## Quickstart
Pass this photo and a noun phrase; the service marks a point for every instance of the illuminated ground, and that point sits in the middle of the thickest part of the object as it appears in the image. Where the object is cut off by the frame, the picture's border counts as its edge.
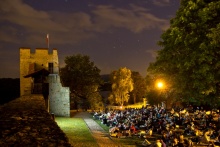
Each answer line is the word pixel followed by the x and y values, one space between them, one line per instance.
pixel 82 130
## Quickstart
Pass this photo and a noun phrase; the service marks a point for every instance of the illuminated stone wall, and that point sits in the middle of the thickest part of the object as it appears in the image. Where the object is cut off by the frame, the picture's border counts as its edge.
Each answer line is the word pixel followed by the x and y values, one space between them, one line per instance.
pixel 25 60
pixel 58 96
pixel 41 58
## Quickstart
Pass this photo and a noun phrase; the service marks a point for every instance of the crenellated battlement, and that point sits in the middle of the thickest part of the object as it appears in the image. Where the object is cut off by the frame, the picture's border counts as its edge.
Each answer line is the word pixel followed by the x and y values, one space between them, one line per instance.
pixel 30 62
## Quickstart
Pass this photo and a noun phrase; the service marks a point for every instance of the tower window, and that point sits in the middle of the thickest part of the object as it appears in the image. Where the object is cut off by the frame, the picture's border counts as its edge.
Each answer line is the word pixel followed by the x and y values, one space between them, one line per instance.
pixel 50 67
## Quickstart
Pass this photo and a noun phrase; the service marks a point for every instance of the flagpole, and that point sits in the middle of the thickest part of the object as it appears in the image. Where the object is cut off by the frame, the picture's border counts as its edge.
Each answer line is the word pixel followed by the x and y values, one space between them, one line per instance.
pixel 48 41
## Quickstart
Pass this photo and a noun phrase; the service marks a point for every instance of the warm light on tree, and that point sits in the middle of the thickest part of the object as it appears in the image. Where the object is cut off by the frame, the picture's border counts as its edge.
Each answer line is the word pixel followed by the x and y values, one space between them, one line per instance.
pixel 122 84
pixel 189 57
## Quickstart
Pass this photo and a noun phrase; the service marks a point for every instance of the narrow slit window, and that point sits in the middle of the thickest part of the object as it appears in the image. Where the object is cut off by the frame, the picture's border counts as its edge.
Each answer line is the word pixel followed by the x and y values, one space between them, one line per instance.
pixel 51 68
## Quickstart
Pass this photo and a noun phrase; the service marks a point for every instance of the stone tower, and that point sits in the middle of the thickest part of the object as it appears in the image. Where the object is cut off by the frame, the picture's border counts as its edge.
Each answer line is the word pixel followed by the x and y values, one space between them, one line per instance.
pixel 42 68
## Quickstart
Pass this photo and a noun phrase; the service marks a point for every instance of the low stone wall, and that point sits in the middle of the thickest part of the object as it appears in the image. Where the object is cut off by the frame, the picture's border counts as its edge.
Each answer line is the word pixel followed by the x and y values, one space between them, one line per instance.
pixel 25 122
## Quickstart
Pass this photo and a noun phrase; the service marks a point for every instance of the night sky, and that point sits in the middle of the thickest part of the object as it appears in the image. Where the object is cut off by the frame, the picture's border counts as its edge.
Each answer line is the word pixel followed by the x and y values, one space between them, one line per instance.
pixel 114 33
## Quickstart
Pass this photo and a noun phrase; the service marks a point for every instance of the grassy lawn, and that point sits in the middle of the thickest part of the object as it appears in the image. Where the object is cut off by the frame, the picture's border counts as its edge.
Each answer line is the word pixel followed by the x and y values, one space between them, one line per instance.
pixel 77 131
pixel 79 134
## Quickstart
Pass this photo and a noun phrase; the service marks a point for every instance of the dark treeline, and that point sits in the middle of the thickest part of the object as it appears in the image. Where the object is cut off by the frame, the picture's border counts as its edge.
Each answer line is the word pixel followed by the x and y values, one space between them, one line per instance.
pixel 106 86
pixel 9 89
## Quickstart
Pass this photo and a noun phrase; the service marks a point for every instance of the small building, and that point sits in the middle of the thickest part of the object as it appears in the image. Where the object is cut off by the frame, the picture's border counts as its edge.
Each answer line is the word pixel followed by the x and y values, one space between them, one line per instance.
pixel 39 74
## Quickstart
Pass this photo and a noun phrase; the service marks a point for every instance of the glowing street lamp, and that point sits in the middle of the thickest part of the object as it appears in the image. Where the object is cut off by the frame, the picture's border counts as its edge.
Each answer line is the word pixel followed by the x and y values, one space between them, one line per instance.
pixel 160 85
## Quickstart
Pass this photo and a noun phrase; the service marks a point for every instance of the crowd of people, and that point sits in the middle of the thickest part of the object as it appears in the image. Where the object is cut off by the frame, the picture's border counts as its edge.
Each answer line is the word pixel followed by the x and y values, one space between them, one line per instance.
pixel 176 127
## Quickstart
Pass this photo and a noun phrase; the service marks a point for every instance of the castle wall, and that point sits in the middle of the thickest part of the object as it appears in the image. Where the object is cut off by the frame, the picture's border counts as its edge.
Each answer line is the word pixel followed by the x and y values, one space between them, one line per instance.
pixel 41 58
pixel 59 97
pixel 25 83
pixel 25 122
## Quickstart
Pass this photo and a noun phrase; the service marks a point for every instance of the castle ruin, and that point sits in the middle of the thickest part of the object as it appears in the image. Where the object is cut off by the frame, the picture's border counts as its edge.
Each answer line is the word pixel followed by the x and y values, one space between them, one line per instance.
pixel 39 74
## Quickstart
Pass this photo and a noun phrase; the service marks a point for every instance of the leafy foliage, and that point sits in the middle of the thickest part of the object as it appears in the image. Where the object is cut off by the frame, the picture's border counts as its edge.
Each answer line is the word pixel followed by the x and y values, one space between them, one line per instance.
pixel 83 78
pixel 190 55
pixel 156 95
pixel 122 84
pixel 139 88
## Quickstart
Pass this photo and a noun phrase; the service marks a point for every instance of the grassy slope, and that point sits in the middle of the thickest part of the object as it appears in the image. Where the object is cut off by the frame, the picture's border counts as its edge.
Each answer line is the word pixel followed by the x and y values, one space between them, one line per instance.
pixel 77 131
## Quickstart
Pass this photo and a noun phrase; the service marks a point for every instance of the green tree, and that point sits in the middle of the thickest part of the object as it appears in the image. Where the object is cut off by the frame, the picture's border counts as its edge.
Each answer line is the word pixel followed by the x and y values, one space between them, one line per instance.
pixel 152 93
pixel 122 84
pixel 83 78
pixel 190 55
pixel 157 95
pixel 139 88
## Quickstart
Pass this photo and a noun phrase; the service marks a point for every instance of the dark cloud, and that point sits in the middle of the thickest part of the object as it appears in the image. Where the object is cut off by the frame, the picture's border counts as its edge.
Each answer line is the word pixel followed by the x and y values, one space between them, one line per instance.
pixel 73 27
pixel 162 3
pixel 135 19
pixel 107 31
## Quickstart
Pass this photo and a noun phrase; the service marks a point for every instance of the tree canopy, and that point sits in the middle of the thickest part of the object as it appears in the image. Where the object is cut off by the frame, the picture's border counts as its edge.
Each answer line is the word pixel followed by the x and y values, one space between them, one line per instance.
pixel 122 84
pixel 139 88
pixel 190 54
pixel 83 78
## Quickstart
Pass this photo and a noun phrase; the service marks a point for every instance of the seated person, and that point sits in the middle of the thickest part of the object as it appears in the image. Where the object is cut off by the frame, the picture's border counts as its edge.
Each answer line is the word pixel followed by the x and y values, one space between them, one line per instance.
pixel 175 142
pixel 133 129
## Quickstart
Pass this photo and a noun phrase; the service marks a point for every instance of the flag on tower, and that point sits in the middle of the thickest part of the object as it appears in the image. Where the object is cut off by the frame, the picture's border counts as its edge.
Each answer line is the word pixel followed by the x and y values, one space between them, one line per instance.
pixel 47 40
